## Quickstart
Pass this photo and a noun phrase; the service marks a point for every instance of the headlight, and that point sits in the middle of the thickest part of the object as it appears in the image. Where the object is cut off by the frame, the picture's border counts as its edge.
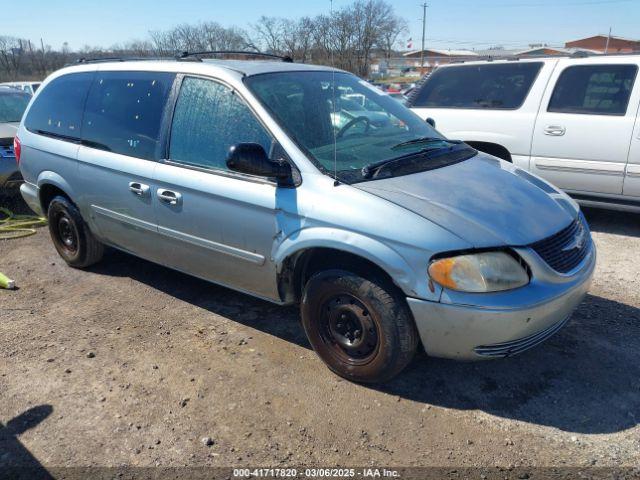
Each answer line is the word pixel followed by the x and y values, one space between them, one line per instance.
pixel 479 272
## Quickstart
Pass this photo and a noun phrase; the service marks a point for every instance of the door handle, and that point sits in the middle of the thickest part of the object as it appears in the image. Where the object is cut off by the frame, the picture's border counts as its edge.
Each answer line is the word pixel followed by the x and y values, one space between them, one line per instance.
pixel 167 196
pixel 554 130
pixel 138 188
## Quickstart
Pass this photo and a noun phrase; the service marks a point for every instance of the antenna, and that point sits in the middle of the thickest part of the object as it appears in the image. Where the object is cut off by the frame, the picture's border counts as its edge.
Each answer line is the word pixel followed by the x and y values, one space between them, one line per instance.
pixel 333 107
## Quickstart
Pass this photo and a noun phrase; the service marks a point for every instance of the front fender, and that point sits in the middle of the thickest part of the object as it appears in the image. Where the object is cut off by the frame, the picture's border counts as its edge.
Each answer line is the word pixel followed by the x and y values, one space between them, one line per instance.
pixel 498 138
pixel 366 247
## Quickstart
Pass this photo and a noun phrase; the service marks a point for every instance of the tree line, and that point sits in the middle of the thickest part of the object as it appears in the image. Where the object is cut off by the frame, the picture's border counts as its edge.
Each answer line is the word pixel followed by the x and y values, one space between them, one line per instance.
pixel 346 38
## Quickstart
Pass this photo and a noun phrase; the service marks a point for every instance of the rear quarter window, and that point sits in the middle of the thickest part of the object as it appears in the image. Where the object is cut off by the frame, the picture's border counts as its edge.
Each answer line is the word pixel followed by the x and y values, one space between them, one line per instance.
pixel 57 110
pixel 501 86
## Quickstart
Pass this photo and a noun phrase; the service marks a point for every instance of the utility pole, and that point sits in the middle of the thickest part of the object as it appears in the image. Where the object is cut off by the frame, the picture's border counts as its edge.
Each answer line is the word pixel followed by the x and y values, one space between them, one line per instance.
pixel 606 47
pixel 424 25
pixel 44 60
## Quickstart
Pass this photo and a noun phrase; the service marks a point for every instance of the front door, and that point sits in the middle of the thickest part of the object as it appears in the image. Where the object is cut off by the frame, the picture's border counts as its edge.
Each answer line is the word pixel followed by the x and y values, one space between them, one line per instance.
pixel 582 133
pixel 121 144
pixel 214 223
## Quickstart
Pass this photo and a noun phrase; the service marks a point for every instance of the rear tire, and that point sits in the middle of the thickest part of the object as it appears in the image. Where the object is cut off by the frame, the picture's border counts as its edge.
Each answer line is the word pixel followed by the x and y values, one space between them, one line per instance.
pixel 361 328
pixel 71 235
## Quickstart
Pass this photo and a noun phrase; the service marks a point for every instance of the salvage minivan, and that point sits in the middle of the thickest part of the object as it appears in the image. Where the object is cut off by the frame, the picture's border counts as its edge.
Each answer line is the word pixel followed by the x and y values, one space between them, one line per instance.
pixel 261 177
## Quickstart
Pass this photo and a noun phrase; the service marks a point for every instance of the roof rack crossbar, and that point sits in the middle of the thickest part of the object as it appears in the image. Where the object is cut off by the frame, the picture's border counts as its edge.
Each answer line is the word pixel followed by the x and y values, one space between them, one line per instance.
pixel 194 55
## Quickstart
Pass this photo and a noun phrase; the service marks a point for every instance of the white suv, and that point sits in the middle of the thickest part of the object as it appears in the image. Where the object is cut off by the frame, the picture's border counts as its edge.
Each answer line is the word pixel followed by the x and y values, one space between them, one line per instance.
pixel 573 121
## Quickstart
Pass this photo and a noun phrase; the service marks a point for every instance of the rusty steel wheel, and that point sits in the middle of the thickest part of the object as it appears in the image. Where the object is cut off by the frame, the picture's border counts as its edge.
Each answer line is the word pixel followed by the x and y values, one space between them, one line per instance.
pixel 361 328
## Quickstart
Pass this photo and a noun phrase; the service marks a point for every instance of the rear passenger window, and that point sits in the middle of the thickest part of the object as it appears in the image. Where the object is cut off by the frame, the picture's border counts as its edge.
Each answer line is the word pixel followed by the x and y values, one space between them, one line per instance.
pixel 58 109
pixel 124 112
pixel 594 89
pixel 209 118
pixel 501 86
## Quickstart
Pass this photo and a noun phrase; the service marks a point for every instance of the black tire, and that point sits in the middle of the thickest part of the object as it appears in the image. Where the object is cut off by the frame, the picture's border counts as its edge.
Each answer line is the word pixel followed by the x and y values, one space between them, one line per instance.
pixel 71 235
pixel 361 328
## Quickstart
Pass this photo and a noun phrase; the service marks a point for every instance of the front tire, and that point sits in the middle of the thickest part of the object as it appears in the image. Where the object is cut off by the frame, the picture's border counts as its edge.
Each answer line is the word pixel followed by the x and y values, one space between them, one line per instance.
pixel 71 235
pixel 361 328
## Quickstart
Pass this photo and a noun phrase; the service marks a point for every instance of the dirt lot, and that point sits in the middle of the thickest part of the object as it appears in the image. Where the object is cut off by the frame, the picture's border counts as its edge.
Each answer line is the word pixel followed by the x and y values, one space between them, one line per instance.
pixel 130 363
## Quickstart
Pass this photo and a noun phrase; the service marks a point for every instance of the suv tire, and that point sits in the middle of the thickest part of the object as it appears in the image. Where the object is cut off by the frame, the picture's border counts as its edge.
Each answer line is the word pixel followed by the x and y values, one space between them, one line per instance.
pixel 361 328
pixel 71 235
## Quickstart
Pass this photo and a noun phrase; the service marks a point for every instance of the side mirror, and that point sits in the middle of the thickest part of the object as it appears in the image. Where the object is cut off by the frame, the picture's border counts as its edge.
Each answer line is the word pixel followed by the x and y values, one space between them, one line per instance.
pixel 250 158
pixel 431 122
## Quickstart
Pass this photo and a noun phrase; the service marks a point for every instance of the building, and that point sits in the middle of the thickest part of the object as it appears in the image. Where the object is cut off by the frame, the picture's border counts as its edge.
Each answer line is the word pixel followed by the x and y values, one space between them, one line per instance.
pixel 495 53
pixel 407 64
pixel 599 43
pixel 435 57
pixel 547 51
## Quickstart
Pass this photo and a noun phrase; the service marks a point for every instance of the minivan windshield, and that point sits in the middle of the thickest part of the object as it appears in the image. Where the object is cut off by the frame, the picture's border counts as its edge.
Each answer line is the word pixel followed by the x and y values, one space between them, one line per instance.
pixel 345 123
pixel 13 105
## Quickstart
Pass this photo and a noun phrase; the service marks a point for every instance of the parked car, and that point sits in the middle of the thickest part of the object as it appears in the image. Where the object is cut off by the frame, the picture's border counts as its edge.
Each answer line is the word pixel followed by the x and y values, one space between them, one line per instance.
pixel 572 121
pixel 350 106
pixel 29 87
pixel 12 105
pixel 398 96
pixel 234 172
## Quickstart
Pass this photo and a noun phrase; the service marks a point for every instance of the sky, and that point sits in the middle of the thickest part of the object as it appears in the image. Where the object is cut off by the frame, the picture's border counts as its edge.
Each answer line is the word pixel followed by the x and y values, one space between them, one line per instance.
pixel 456 24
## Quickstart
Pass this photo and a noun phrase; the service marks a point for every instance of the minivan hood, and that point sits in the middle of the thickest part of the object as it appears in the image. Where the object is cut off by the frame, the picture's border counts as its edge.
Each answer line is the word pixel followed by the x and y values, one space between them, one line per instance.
pixel 8 130
pixel 483 200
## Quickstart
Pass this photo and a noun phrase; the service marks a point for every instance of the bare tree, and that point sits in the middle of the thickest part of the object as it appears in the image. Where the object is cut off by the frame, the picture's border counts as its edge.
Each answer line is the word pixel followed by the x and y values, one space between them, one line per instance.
pixel 392 30
pixel 11 55
pixel 283 36
pixel 348 39
pixel 197 38
pixel 270 33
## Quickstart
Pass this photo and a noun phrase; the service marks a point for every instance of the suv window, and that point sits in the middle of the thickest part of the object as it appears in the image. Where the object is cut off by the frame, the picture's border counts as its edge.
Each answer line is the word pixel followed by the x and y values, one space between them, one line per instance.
pixel 594 89
pixel 500 86
pixel 209 118
pixel 124 112
pixel 58 109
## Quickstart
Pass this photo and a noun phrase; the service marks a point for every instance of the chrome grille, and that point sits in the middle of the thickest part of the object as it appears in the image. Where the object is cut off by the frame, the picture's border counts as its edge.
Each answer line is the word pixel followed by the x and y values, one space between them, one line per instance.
pixel 566 249
pixel 514 347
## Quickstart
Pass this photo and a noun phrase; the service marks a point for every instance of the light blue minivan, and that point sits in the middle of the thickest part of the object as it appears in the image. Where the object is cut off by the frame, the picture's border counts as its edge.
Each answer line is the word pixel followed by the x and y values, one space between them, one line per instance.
pixel 262 177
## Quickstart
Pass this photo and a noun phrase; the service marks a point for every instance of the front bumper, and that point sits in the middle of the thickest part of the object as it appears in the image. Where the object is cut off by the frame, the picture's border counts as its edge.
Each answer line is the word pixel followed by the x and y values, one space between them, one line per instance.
pixel 478 326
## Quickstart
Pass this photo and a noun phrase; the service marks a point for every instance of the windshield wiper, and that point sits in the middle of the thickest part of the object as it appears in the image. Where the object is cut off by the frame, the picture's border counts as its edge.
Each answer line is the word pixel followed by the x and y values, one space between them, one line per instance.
pixel 371 168
pixel 419 140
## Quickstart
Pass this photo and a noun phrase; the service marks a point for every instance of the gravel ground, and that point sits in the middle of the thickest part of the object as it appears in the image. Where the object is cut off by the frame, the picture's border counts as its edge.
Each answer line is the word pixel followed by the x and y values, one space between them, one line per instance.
pixel 130 363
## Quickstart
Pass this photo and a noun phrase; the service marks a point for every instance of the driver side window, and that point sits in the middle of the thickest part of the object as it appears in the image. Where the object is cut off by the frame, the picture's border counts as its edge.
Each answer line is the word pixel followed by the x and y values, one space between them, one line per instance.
pixel 209 118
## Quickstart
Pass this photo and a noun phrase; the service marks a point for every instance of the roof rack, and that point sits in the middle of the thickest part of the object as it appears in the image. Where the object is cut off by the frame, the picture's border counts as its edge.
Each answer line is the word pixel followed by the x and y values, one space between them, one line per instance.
pixel 118 59
pixel 194 55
